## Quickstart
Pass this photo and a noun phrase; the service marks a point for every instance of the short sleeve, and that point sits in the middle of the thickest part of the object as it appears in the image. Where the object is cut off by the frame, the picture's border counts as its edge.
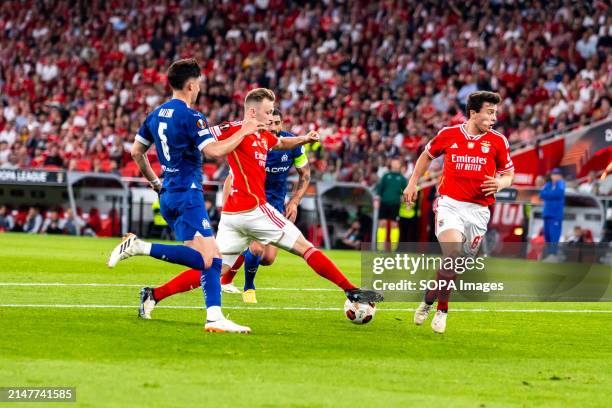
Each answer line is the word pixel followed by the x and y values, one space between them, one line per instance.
pixel 272 140
pixel 144 135
pixel 437 146
pixel 198 130
pixel 223 131
pixel 503 162
pixel 300 159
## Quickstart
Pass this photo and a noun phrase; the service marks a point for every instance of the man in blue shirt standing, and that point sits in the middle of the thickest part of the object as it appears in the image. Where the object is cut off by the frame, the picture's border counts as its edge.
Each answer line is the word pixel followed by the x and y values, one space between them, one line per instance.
pixel 180 135
pixel 553 195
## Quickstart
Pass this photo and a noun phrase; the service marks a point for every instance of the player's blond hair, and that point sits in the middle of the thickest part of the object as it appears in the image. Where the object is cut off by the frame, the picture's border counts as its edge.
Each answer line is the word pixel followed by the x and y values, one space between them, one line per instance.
pixel 257 95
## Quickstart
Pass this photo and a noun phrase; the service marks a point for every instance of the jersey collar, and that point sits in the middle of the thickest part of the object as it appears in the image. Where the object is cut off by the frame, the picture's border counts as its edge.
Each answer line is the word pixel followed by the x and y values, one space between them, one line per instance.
pixel 467 135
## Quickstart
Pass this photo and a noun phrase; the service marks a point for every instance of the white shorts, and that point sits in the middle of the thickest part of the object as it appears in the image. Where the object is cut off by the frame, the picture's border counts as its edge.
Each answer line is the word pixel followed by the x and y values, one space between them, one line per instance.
pixel 468 218
pixel 264 224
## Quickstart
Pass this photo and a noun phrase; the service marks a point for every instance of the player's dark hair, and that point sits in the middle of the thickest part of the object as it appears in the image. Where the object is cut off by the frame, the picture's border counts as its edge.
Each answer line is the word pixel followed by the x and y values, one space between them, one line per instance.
pixel 477 99
pixel 258 95
pixel 277 112
pixel 181 71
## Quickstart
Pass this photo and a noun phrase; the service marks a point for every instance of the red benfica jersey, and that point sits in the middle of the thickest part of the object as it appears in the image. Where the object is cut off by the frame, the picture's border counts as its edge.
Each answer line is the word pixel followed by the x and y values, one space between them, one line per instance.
pixel 467 160
pixel 248 167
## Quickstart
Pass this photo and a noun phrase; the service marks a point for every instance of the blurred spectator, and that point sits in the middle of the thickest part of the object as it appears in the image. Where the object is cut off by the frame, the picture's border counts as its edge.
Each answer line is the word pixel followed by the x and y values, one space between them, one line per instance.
pixel 7 223
pixel 589 185
pixel 579 236
pixel 72 223
pixel 33 221
pixel 352 238
pixel 84 82
pixel 53 224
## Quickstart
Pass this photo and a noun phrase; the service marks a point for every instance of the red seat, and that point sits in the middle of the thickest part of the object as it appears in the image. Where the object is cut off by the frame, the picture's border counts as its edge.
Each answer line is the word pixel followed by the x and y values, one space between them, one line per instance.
pixel 51 167
pixel 106 166
pixel 156 168
pixel 130 169
pixel 209 170
pixel 82 165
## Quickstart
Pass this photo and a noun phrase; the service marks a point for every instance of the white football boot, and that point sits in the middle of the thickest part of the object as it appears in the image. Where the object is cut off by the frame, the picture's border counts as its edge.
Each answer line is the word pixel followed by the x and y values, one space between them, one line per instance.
pixel 438 323
pixel 130 246
pixel 225 326
pixel 421 313
pixel 230 288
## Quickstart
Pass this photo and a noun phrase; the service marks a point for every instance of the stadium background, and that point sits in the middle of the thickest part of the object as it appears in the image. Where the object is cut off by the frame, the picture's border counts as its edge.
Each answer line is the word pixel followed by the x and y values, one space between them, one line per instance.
pixel 376 79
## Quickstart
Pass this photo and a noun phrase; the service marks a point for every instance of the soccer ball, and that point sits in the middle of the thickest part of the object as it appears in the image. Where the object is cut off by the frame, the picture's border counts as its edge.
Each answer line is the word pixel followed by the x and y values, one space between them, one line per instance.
pixel 359 313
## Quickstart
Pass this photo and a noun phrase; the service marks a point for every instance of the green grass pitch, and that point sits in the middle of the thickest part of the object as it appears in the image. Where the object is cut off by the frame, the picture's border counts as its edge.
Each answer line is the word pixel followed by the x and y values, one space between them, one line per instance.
pixel 303 352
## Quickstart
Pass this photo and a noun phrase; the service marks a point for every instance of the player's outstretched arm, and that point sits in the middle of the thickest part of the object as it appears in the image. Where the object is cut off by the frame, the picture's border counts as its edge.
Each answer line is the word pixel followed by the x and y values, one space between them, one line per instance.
pixel 421 166
pixel 223 147
pixel 300 190
pixel 139 154
pixel 288 143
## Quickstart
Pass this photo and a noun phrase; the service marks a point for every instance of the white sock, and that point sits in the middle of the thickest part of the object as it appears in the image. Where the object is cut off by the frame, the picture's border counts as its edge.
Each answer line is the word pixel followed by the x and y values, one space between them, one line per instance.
pixel 146 247
pixel 214 313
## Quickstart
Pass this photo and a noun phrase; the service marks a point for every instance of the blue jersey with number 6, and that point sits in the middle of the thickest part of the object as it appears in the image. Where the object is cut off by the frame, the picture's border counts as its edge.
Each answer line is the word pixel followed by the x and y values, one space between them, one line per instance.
pixel 179 134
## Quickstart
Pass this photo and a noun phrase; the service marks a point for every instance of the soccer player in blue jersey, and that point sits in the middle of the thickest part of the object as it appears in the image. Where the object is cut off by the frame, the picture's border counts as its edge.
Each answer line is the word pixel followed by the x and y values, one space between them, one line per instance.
pixel 180 135
pixel 278 166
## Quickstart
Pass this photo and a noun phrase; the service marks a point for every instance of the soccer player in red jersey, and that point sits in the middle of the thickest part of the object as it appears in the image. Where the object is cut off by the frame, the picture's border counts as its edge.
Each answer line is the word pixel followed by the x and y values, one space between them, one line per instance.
pixel 477 165
pixel 246 214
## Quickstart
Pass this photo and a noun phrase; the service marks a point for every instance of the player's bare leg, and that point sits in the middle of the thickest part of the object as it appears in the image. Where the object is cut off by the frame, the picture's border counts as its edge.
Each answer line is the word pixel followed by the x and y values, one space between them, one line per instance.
pixel 269 255
pixel 451 242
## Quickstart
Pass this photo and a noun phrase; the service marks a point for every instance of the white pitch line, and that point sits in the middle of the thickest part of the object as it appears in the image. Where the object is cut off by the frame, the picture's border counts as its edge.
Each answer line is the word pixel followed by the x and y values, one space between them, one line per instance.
pixel 141 285
pixel 130 285
pixel 314 309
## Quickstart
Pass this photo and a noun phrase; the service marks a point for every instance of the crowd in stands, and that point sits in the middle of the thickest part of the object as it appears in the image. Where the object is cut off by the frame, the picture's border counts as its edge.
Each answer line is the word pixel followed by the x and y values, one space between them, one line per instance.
pixel 59 221
pixel 377 79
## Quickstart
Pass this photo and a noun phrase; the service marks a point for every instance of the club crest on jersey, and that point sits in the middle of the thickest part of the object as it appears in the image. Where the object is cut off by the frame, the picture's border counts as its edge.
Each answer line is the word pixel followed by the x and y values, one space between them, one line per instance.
pixel 285 157
pixel 470 145
pixel 485 147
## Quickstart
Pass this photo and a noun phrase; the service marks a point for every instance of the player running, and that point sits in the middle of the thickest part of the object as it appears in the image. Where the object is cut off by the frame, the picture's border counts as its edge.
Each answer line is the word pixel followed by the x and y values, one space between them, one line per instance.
pixel 180 134
pixel 278 165
pixel 248 216
pixel 477 165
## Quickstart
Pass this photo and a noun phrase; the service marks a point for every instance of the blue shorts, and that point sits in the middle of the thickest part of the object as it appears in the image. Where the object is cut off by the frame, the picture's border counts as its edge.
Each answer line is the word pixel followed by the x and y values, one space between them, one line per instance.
pixel 185 213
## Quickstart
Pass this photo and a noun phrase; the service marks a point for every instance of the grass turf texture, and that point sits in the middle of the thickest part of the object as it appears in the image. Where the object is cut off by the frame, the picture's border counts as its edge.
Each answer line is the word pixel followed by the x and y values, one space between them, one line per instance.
pixel 293 358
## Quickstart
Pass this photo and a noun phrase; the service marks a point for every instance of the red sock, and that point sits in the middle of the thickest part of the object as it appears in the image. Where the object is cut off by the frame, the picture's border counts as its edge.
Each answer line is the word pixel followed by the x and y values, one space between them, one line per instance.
pixel 228 277
pixel 187 280
pixel 447 276
pixel 326 268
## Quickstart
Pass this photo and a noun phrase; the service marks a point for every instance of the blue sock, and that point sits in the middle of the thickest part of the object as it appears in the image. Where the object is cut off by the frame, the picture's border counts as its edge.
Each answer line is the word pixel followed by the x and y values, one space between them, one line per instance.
pixel 251 263
pixel 211 283
pixel 178 254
